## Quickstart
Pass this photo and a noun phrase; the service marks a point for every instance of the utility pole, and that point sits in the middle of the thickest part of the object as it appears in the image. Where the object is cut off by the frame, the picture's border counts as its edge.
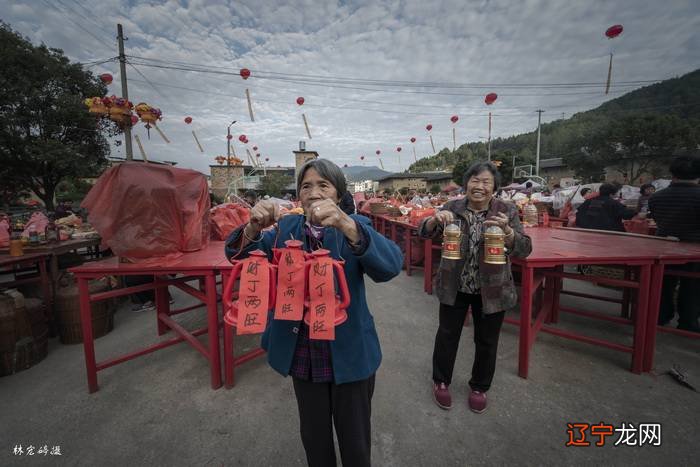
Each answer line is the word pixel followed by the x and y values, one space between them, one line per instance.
pixel 489 137
pixel 125 91
pixel 513 167
pixel 539 122
pixel 228 143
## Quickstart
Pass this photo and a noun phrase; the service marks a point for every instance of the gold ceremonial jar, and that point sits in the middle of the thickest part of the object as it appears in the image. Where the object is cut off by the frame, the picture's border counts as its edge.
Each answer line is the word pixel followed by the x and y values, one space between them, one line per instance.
pixel 494 246
pixel 451 240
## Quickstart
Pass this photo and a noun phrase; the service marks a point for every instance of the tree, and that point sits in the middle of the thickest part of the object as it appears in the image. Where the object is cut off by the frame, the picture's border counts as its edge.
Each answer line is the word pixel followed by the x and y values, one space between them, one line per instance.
pixel 46 133
pixel 435 189
pixel 274 183
pixel 635 144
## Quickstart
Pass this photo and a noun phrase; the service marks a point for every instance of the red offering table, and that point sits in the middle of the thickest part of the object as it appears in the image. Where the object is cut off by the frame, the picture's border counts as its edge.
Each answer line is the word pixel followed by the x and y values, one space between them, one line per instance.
pixel 554 248
pixel 203 265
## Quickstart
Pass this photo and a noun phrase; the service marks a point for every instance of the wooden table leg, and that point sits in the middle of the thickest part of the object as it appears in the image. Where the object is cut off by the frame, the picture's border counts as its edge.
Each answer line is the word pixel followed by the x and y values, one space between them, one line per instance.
pixel 88 340
pixel 162 304
pixel 656 285
pixel 526 333
pixel 46 293
pixel 213 325
pixel 640 320
pixel 428 265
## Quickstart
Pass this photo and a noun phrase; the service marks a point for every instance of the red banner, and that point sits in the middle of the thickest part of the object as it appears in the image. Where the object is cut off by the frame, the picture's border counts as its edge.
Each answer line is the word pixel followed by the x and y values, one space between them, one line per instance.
pixel 321 299
pixel 253 296
pixel 290 285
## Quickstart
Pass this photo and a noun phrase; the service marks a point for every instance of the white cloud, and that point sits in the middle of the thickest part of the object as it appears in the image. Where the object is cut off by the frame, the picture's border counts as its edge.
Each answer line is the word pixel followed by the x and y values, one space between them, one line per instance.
pixel 532 41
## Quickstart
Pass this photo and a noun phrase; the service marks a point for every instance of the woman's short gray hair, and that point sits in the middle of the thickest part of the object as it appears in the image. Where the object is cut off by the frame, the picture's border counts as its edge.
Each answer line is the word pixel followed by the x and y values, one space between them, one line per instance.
pixel 328 171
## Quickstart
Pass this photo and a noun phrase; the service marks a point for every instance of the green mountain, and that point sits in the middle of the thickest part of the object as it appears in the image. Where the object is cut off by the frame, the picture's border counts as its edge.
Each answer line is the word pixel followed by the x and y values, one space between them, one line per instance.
pixel 673 102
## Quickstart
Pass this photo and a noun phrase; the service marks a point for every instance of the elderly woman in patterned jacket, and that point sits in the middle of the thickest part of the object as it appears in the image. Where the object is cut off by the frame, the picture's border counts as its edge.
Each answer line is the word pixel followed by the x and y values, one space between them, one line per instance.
pixel 469 282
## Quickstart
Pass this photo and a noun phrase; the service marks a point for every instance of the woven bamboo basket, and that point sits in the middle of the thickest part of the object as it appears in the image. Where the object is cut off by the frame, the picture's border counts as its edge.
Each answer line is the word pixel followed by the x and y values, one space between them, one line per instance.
pixel 378 208
pixel 67 310
pixel 24 333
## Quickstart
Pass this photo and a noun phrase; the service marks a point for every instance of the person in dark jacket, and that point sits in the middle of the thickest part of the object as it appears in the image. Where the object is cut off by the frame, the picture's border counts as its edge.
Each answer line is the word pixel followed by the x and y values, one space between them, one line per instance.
pixel 603 212
pixel 333 380
pixel 676 210
pixel 469 282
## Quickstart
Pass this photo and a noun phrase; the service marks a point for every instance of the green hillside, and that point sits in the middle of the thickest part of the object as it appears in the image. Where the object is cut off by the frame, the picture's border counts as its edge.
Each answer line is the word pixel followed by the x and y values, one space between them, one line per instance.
pixel 667 112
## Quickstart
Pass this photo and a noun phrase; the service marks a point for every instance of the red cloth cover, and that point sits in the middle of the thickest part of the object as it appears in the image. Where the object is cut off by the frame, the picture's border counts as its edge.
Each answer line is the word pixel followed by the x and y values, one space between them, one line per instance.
pixel 145 210
pixel 225 218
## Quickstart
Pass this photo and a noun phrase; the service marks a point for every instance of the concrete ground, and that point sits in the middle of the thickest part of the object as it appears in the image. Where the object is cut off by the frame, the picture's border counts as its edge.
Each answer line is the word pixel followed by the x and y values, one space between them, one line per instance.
pixel 160 410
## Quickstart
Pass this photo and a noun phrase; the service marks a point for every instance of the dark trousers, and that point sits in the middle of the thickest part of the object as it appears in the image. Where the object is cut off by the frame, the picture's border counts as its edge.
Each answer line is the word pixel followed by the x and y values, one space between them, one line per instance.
pixel 347 406
pixel 487 328
pixel 688 299
pixel 140 297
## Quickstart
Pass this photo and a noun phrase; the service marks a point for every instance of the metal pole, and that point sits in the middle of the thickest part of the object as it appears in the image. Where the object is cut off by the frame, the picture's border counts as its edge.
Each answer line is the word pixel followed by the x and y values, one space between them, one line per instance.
pixel 125 91
pixel 489 136
pixel 539 122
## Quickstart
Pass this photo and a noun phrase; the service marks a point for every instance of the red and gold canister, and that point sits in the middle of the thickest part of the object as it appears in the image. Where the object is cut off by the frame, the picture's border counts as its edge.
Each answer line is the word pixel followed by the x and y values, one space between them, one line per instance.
pixel 494 246
pixel 451 240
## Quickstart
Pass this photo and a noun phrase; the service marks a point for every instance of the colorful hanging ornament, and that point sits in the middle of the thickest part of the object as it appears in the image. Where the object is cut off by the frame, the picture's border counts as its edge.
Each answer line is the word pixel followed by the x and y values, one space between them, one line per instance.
pixel 188 120
pixel 611 33
pixel 245 74
pixel 106 78
pixel 429 128
pixel 413 146
pixel 381 164
pixel 300 102
pixel 398 150
pixel 150 115
pixel 454 119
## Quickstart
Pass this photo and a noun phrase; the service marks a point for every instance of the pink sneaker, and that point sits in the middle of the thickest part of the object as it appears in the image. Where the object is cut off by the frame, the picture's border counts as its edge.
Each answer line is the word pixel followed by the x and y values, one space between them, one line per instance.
pixel 477 401
pixel 441 395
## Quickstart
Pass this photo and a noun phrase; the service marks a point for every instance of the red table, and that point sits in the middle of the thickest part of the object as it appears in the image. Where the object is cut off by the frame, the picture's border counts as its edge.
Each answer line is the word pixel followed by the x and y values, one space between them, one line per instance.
pixel 554 248
pixel 203 265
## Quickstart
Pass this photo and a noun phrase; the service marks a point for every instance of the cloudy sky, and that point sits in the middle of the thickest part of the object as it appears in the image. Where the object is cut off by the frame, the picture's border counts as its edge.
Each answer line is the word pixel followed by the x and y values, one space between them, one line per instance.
pixel 372 73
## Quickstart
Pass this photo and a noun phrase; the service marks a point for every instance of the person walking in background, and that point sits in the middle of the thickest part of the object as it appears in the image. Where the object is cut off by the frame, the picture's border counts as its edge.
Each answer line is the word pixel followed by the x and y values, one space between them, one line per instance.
pixel 676 210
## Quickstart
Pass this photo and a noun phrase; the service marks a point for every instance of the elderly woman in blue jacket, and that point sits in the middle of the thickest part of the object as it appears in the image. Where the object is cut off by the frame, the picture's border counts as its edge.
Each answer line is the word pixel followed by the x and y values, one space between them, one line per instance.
pixel 333 380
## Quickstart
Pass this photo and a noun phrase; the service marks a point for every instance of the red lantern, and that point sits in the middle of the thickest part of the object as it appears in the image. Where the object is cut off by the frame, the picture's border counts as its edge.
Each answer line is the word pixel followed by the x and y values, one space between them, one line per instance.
pixel 413 140
pixel 188 120
pixel 134 119
pixel 267 159
pixel 257 155
pixel 245 73
pixel 300 100
pixel 362 158
pixel 454 119
pixel 255 148
pixel 345 165
pixel 229 137
pixel 490 98
pixel 107 78
pixel 377 152
pixel 614 31
pixel 242 139
pixel 429 127
pixel 398 149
